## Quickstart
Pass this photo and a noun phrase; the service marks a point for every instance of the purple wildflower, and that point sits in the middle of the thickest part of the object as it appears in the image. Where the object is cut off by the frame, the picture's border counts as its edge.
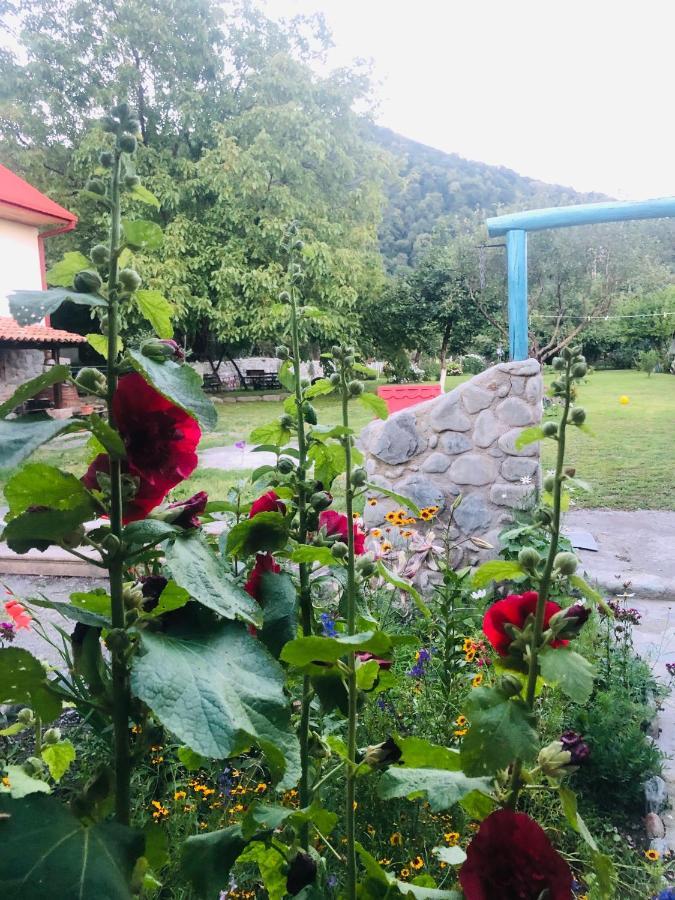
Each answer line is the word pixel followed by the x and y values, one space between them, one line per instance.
pixel 671 669
pixel 240 445
pixel 328 625
pixel 419 669
pixel 7 632
pixel 225 782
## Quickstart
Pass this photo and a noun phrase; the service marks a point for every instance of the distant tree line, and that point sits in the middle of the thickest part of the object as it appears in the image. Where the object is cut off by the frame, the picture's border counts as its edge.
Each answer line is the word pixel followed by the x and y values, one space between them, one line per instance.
pixel 240 135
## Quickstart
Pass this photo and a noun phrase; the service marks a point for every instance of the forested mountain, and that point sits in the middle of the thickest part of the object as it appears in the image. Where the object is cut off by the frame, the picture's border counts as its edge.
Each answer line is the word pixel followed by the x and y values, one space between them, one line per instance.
pixel 434 190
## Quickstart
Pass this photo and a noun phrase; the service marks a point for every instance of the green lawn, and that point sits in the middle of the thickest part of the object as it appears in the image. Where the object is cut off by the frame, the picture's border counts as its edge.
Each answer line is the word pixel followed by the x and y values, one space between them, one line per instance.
pixel 630 462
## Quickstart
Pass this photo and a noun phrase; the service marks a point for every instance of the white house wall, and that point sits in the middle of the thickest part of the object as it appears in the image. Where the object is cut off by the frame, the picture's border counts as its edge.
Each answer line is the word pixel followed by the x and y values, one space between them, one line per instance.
pixel 19 260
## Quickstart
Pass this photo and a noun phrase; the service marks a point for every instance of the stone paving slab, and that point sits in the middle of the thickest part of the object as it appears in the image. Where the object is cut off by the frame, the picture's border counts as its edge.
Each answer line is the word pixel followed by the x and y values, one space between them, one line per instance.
pixel 636 546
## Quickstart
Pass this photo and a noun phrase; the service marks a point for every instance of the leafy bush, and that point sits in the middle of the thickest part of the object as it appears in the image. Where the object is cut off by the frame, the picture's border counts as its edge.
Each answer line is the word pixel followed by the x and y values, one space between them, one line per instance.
pixel 473 364
pixel 622 755
pixel 648 361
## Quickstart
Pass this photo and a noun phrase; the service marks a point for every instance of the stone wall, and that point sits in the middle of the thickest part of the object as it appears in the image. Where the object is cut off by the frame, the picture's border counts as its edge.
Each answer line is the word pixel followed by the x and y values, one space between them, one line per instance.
pixel 461 443
pixel 17 366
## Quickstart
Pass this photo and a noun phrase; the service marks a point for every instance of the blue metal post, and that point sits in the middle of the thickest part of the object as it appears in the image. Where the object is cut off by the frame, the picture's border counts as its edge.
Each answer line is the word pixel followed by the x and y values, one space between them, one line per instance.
pixel 516 257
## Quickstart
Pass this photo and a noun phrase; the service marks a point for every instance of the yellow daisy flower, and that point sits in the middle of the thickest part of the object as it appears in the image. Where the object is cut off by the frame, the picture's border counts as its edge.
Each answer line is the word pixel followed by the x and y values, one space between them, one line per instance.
pixel 477 680
pixel 417 863
pixel 396 839
pixel 652 855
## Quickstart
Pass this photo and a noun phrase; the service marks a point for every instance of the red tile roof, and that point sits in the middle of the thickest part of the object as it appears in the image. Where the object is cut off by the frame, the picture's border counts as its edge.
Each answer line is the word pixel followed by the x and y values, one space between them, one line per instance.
pixel 35 335
pixel 17 193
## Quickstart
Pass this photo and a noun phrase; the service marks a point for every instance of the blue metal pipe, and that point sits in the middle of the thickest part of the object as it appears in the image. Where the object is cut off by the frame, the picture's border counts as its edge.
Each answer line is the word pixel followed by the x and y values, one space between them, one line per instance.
pixel 583 214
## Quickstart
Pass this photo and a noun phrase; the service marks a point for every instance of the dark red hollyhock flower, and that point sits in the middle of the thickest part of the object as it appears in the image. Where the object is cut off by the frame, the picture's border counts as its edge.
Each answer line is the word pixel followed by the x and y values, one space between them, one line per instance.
pixel 160 440
pixel 511 856
pixel 268 502
pixel 337 524
pixel 185 513
pixel 264 562
pixel 579 750
pixel 514 610
pixel 152 587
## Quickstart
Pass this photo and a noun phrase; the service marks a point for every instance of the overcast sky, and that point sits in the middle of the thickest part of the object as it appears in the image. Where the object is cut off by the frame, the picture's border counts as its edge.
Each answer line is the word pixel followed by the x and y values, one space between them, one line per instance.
pixel 577 93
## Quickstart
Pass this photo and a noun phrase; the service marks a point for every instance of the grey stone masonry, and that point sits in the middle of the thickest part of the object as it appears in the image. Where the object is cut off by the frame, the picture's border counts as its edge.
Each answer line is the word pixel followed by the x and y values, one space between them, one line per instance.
pixel 461 443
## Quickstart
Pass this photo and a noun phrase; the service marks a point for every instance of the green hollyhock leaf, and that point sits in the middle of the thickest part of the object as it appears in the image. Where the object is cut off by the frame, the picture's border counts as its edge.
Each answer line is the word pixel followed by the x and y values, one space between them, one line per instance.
pixel 47 852
pixel 305 651
pixel 319 388
pixel 569 670
pixel 367 674
pixel 441 787
pixel 159 311
pixel 23 680
pixel 59 757
pixel 286 375
pixel 329 461
pixel 191 760
pixel 206 859
pixel 306 553
pixel 219 691
pixel 529 436
pixel 141 234
pixel 61 274
pixel 30 307
pixel 29 389
pixel 279 601
pixel 96 601
pixel 40 528
pixel 100 344
pixel 265 531
pixel 272 434
pixel 19 438
pixel 195 567
pixel 38 484
pixel 501 729
pixel 106 436
pixel 374 404
pixel 418 753
pixel 497 570
pixel 148 531
pixel 21 784
pixel 272 865
pixel 477 805
pixel 172 597
pixel 138 192
pixel 178 383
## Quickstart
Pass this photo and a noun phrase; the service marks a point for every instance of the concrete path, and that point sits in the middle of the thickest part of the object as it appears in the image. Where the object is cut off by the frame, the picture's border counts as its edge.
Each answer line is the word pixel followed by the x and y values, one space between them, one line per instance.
pixel 636 546
pixel 236 458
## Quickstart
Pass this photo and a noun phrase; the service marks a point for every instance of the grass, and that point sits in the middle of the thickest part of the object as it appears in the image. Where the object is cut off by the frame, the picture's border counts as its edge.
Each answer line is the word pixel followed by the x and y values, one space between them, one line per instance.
pixel 628 462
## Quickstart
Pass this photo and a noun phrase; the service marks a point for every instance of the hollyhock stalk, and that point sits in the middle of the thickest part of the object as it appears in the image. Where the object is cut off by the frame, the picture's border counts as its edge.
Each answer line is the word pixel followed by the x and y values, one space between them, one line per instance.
pixel 545 583
pixel 115 561
pixel 303 568
pixel 351 658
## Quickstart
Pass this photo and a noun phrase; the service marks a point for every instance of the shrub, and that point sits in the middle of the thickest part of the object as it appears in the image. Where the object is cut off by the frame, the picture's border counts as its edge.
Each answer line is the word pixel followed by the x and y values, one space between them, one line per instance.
pixel 473 364
pixel 648 361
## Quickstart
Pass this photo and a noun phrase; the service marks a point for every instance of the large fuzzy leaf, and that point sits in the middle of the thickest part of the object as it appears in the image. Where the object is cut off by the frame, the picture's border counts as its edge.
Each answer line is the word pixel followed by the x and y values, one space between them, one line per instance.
pixel 30 307
pixel 47 853
pixel 157 310
pixel 279 600
pixel 501 730
pixel 441 787
pixel 178 383
pixel 61 274
pixel 23 680
pixel 195 567
pixel 21 437
pixel 219 691
pixel 569 670
pixel 38 484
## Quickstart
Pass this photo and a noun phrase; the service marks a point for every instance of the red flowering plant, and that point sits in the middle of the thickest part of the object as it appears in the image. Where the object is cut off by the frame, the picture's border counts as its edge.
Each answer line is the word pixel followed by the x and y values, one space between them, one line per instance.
pixel 173 604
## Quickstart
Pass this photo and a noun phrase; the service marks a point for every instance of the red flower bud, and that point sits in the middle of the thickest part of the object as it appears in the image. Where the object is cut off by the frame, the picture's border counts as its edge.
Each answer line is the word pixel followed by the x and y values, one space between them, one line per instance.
pixel 336 525
pixel 264 562
pixel 185 513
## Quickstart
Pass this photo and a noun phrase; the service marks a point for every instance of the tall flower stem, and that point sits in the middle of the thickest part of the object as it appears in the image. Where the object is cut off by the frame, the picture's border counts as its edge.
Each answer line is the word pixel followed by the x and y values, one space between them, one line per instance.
pixel 303 568
pixel 545 583
pixel 350 793
pixel 115 560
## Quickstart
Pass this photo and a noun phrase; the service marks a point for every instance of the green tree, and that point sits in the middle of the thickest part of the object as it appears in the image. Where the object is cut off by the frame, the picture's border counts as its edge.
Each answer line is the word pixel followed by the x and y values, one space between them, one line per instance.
pixel 239 137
